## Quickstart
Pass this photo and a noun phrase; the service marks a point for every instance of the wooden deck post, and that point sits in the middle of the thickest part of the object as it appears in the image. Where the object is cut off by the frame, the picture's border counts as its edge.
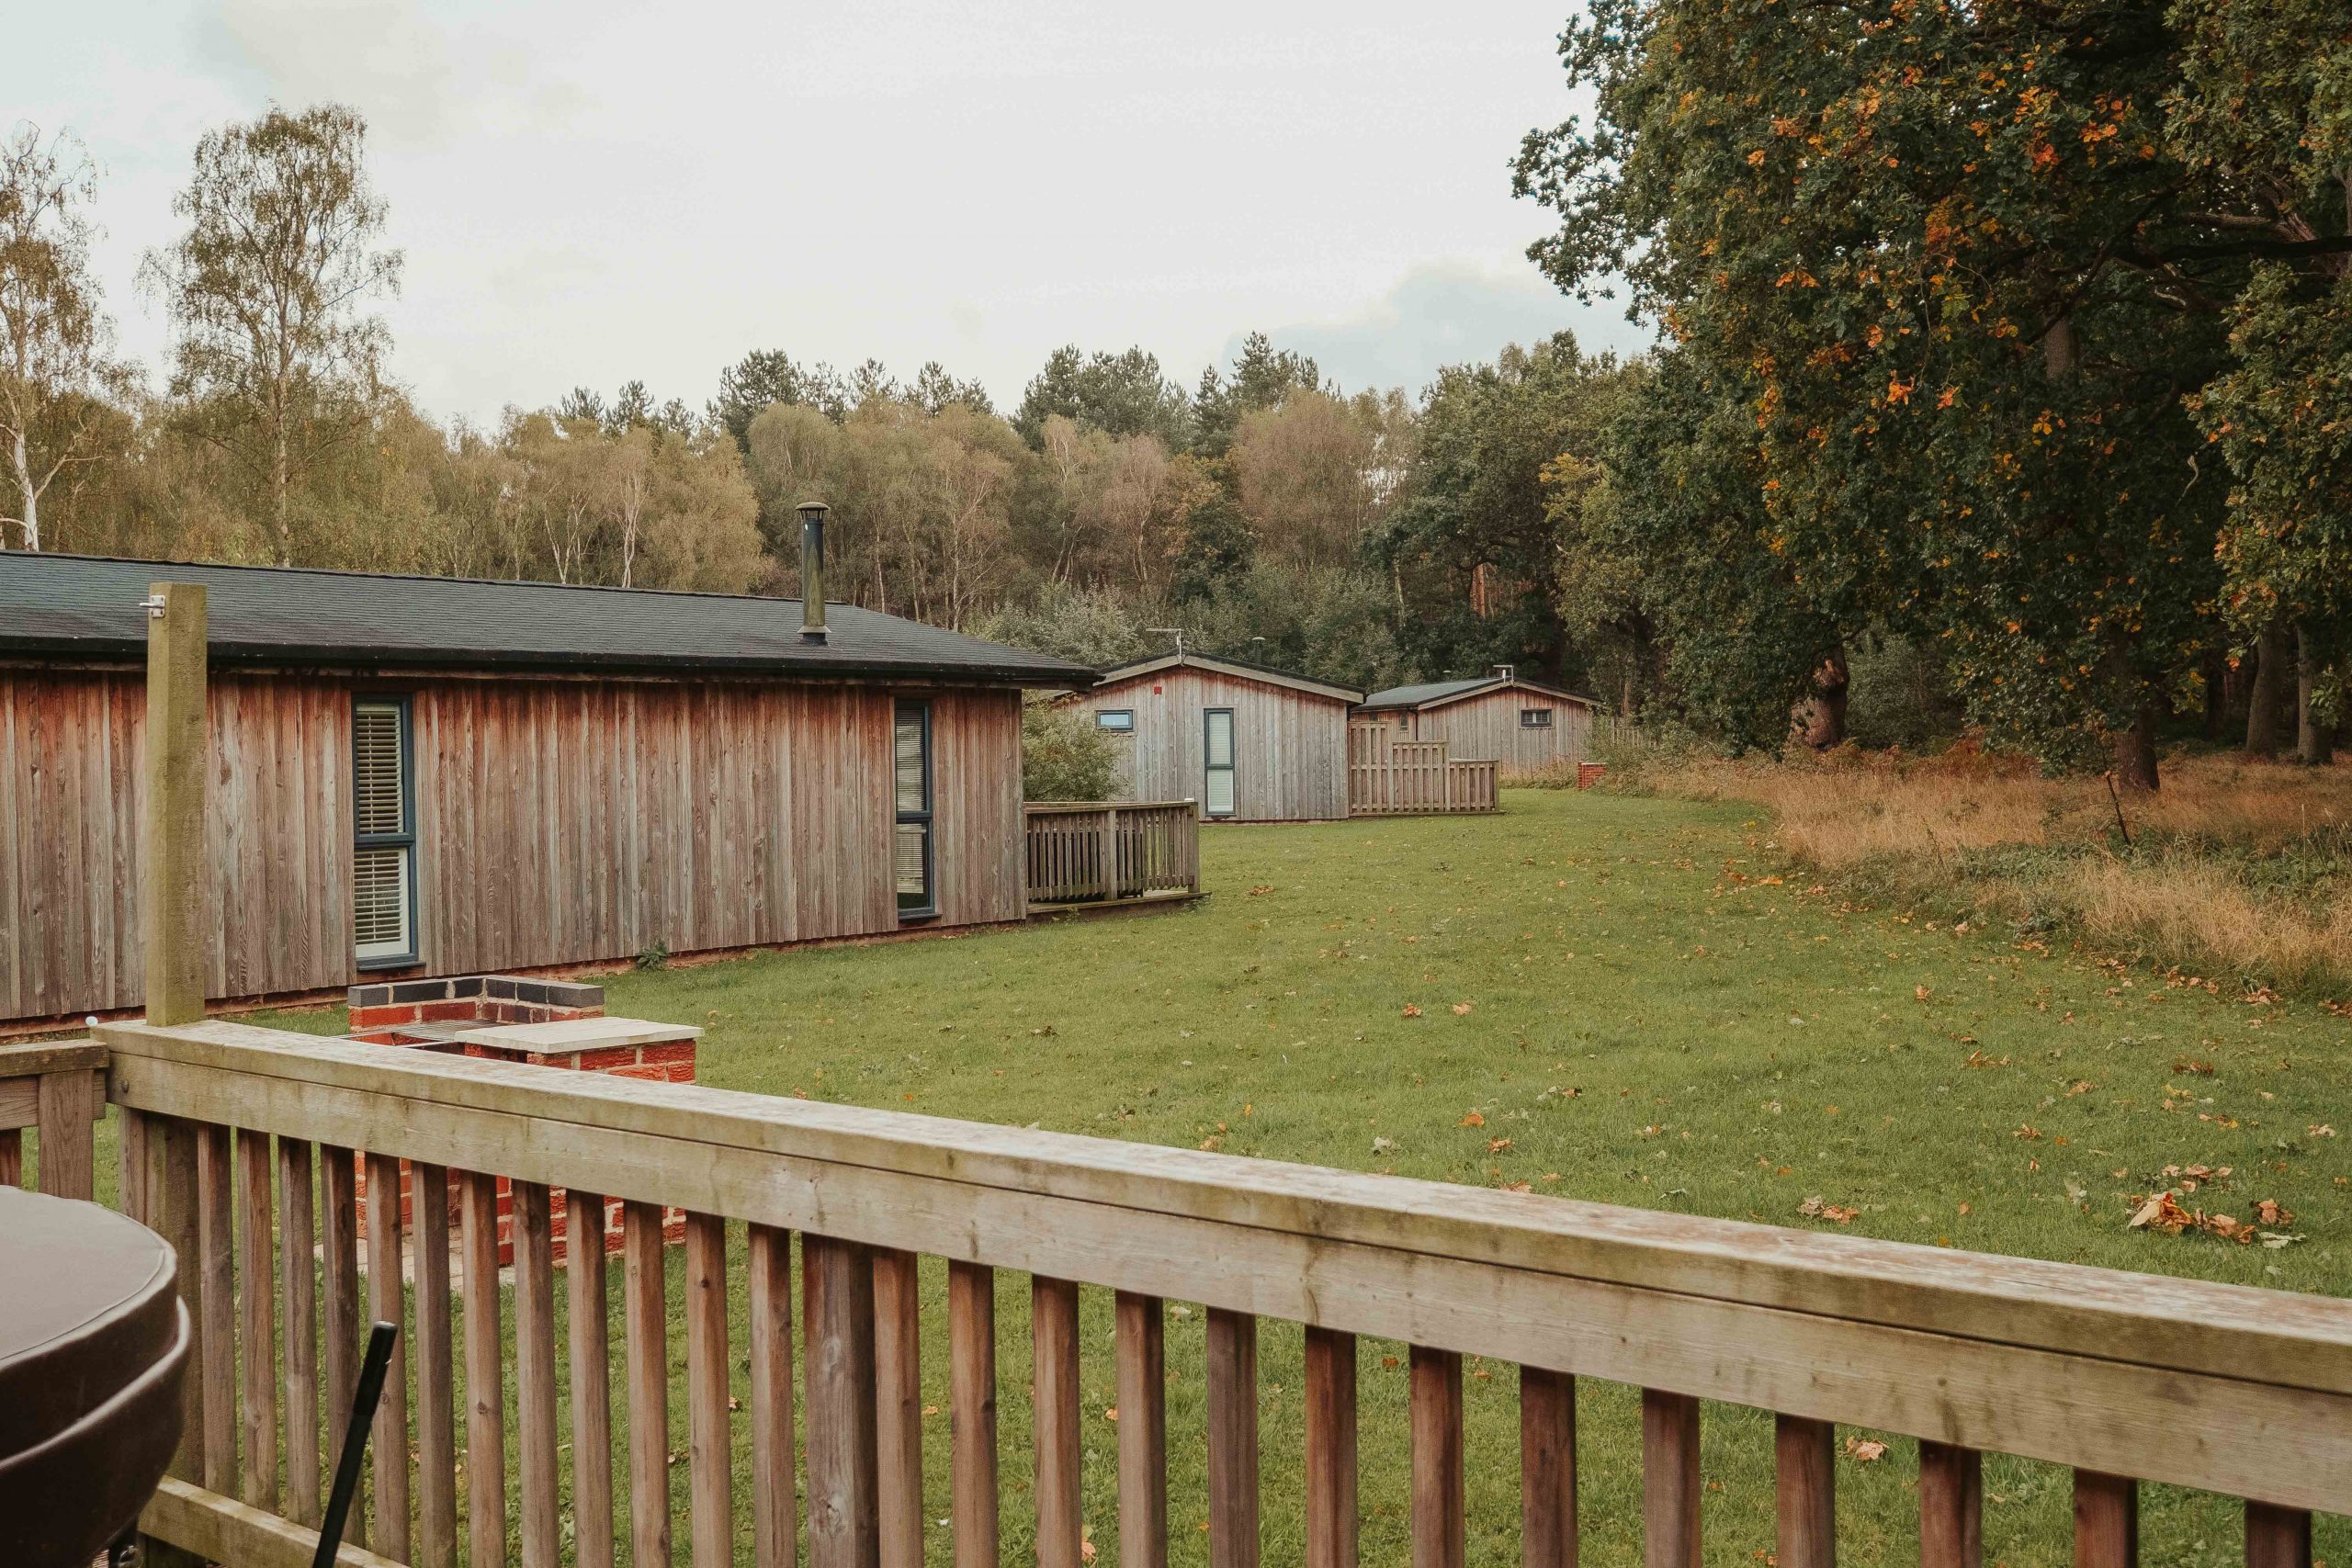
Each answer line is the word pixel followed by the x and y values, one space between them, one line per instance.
pixel 172 893
pixel 1110 852
pixel 174 924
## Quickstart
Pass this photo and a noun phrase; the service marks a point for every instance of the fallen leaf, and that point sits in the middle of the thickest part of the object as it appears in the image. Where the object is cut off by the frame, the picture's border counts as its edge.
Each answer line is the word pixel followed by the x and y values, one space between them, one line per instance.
pixel 1865 1450
pixel 1473 1119
pixel 2270 1212
pixel 1412 1011
pixel 1460 1008
pixel 2162 1213
pixel 1497 1146
pixel 1815 1207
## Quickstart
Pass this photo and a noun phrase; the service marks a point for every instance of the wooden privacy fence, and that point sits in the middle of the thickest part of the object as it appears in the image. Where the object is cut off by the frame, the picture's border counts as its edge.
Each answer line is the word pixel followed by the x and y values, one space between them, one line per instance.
pixel 1097 852
pixel 1388 776
pixel 2239 1391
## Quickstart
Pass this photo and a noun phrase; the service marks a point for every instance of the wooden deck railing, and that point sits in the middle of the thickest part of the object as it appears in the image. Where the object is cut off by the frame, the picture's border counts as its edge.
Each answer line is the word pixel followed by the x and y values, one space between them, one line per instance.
pixel 1389 778
pixel 2243 1392
pixel 1097 852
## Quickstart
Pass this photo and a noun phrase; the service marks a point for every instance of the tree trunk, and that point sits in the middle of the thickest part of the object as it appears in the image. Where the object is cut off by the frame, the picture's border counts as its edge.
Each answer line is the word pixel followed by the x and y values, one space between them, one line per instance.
pixel 31 493
pixel 1820 719
pixel 2314 741
pixel 2217 695
pixel 2267 704
pixel 2135 751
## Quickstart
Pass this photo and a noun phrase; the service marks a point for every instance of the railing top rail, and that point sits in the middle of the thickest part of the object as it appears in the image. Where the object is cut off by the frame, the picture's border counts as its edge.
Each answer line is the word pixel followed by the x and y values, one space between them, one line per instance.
pixel 1047 807
pixel 2238 1389
pixel 39 1057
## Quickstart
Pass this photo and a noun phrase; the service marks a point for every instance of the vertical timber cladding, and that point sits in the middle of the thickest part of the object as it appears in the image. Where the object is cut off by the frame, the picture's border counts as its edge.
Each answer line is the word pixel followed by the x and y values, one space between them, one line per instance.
pixel 72 783
pixel 1290 746
pixel 1483 727
pixel 573 820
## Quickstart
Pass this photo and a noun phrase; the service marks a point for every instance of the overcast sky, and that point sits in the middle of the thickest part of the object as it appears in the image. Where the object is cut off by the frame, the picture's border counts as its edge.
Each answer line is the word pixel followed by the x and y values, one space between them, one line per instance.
pixel 590 192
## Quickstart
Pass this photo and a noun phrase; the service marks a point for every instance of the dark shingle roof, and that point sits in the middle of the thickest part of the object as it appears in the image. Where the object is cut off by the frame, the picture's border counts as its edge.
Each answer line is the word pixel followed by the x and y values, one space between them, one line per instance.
pixel 1414 697
pixel 87 606
pixel 1446 691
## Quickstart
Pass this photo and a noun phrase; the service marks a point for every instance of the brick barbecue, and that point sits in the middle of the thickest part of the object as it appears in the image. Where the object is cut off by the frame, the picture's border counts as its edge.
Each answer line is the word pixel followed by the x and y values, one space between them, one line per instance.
pixel 544 1023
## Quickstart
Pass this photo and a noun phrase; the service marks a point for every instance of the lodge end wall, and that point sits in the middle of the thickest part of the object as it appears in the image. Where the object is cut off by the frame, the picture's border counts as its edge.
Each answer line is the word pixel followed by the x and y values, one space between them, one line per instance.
pixel 558 821
pixel 1290 746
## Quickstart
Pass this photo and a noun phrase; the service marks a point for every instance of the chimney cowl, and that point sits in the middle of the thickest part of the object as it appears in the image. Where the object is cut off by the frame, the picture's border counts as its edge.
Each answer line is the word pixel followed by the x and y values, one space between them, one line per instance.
pixel 812 570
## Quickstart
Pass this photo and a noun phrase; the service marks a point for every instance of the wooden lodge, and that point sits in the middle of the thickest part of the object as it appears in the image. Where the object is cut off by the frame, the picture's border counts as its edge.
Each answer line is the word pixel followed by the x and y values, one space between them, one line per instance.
pixel 1521 726
pixel 414 777
pixel 1249 743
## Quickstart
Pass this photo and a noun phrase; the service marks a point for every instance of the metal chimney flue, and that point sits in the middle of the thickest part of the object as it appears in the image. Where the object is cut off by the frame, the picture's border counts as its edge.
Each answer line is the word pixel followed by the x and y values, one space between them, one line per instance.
pixel 812 570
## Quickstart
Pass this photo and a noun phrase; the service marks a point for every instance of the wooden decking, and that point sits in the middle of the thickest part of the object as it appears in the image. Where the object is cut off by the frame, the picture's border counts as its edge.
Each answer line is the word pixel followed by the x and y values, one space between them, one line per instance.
pixel 240 1144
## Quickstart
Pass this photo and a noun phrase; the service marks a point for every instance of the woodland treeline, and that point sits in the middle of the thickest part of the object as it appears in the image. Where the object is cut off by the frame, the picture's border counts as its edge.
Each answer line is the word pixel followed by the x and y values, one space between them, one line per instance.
pixel 2006 379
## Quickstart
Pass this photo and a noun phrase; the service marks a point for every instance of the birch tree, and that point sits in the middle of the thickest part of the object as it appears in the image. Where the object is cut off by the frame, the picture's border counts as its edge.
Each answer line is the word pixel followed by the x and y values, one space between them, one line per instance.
pixel 55 371
pixel 268 291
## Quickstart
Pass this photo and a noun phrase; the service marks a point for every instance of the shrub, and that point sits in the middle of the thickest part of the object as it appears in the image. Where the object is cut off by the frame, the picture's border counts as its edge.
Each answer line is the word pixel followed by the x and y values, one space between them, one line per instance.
pixel 1064 756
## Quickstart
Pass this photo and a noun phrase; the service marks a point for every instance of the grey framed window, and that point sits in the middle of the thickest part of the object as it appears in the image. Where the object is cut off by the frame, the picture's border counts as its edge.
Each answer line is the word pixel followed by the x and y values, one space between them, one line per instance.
pixel 1120 719
pixel 911 854
pixel 1535 718
pixel 1216 762
pixel 383 816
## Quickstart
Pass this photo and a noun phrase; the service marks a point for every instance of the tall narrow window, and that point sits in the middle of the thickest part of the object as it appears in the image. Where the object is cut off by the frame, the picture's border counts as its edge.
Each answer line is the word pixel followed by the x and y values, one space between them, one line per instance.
pixel 913 854
pixel 1217 781
pixel 383 874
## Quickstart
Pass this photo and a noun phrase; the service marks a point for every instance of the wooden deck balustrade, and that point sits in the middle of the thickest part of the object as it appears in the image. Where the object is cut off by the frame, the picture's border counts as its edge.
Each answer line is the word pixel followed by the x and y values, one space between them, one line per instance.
pixel 240 1143
pixel 1391 777
pixel 1112 851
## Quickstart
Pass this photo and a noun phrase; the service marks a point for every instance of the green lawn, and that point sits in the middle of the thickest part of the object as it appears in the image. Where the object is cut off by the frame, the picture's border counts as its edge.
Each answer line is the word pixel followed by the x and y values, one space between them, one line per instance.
pixel 1625 991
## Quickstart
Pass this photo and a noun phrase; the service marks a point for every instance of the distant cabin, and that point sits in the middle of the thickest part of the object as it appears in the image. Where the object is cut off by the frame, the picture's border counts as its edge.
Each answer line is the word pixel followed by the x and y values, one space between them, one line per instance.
pixel 1523 727
pixel 414 777
pixel 1250 744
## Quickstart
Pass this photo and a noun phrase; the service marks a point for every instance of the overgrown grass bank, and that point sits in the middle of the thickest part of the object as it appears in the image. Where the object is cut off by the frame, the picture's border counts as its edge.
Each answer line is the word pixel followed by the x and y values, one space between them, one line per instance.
pixel 1617 998
pixel 2237 873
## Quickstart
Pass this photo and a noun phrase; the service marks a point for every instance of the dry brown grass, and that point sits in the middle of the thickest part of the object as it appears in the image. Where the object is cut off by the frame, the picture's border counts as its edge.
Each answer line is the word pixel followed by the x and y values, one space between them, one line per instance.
pixel 2233 868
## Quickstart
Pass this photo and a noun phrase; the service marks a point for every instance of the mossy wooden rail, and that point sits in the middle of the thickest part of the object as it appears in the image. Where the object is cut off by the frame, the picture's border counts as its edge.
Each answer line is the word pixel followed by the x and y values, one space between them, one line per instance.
pixel 2122 1376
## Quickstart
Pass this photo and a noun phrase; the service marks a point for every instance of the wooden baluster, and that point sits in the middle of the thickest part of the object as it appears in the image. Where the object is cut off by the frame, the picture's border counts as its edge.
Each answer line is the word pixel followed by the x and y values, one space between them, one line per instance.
pixel 216 1225
pixel 1141 1343
pixel 647 1325
pixel 67 1105
pixel 257 1318
pixel 2107 1520
pixel 591 1396
pixel 1233 1438
pixel 1548 1467
pixel 1053 1395
pixel 837 1315
pixel 2277 1538
pixel 436 1435
pixel 774 1518
pixel 298 1283
pixel 339 1270
pixel 898 1428
pixel 1670 1480
pixel 486 1376
pixel 1951 1506
pixel 535 1418
pixel 1803 1455
pixel 131 1150
pixel 1440 1515
pixel 971 1412
pixel 1332 1520
pixel 710 1450
pixel 385 1299
pixel 12 1157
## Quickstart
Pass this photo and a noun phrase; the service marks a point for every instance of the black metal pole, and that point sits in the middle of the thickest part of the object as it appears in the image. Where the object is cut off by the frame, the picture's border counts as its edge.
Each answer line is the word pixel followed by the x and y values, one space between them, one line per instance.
pixel 364 1400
